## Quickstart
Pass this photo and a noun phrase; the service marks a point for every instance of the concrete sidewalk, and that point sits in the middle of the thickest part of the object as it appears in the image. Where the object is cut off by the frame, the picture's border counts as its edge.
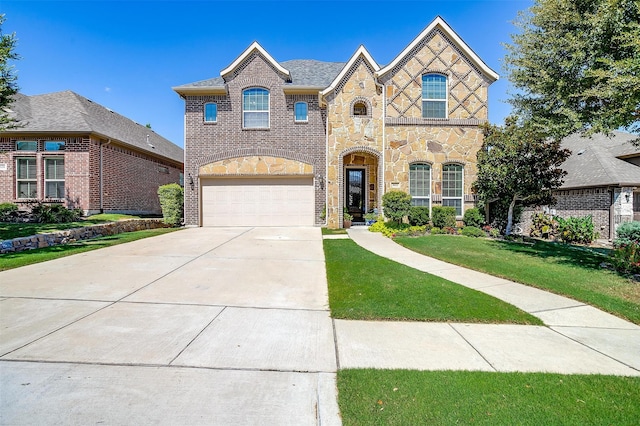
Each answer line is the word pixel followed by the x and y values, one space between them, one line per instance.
pixel 577 339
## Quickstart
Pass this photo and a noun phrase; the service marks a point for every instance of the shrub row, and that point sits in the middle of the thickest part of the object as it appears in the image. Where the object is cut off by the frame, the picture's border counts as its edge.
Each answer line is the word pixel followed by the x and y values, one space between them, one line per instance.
pixel 572 230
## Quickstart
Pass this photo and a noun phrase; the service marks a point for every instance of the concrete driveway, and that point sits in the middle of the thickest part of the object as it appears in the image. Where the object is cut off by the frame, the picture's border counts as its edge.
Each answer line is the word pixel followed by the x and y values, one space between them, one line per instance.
pixel 201 326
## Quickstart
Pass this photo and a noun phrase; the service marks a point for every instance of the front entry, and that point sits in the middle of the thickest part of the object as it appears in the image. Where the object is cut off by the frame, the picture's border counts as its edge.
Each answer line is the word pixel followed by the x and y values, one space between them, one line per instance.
pixel 355 193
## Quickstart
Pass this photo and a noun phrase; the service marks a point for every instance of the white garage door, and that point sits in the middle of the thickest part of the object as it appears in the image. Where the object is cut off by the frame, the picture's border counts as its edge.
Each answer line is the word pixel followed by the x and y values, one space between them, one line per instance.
pixel 258 202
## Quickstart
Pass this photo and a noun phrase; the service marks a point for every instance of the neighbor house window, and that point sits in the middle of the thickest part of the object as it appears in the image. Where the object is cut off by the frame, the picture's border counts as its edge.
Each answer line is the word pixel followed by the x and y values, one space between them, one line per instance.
pixel 54 145
pixel 26 146
pixel 26 184
pixel 359 108
pixel 54 178
pixel 420 184
pixel 211 112
pixel 452 186
pixel 302 110
pixel 434 96
pixel 255 108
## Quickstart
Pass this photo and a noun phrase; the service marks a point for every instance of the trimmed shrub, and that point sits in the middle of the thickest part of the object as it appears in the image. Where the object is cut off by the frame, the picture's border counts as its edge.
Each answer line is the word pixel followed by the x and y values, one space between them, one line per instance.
pixel 627 233
pixel 396 205
pixel 418 216
pixel 172 203
pixel 443 217
pixel 473 217
pixel 472 231
pixel 576 230
pixel 626 258
pixel 6 209
pixel 54 213
pixel 543 226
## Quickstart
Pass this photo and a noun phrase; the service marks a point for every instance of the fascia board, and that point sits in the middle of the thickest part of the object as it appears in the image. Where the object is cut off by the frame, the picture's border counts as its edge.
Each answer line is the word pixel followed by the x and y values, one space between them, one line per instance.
pixel 254 46
pixel 202 90
pixel 469 53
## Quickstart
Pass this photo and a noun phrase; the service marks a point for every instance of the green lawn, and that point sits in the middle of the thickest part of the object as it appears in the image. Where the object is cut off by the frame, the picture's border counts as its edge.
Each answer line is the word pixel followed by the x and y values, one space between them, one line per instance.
pixel 28 257
pixel 365 286
pixel 402 397
pixel 562 269
pixel 16 230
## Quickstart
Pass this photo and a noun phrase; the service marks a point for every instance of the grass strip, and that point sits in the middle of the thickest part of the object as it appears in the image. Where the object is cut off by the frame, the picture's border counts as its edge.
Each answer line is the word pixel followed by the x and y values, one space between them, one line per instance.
pixel 403 397
pixel 365 286
pixel 28 257
pixel 559 268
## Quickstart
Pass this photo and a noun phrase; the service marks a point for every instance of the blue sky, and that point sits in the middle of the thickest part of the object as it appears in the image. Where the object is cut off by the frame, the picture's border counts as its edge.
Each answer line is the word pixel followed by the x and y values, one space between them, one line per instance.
pixel 126 55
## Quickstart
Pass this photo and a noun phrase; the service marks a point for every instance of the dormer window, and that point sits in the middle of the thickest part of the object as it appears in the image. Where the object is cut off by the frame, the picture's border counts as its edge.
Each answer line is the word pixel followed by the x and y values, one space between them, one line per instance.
pixel 255 108
pixel 434 96
pixel 359 108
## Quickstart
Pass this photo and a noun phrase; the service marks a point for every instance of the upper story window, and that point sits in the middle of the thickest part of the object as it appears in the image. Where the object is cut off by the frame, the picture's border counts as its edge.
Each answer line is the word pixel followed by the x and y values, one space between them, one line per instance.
pixel 210 112
pixel 255 108
pixel 54 145
pixel 452 184
pixel 420 184
pixel 26 145
pixel 302 111
pixel 434 96
pixel 359 108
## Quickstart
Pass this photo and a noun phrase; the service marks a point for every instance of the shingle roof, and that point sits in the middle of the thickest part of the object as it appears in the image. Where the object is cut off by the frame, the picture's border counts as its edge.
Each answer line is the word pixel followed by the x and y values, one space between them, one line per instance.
pixel 594 161
pixel 68 112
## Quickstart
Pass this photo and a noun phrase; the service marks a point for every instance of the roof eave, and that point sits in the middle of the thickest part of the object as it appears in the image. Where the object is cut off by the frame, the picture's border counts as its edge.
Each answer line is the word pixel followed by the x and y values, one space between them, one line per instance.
pixel 197 90
pixel 302 90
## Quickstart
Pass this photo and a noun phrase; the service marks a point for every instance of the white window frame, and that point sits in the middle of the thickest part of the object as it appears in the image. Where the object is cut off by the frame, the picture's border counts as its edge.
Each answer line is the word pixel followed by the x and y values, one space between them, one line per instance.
pixel 31 181
pixel 415 198
pixel 204 112
pixel 306 112
pixel 245 110
pixel 55 179
pixel 445 100
pixel 449 197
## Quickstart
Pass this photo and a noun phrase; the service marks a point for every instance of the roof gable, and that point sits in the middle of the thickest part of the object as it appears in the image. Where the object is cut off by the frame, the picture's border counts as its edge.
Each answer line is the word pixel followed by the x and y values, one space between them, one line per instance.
pixel 363 53
pixel 255 48
pixel 439 24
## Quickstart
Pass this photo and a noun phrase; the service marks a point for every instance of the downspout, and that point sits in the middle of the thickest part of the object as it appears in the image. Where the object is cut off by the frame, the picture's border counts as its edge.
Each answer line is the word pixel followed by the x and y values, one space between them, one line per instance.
pixel 382 171
pixel 326 167
pixel 101 175
pixel 612 215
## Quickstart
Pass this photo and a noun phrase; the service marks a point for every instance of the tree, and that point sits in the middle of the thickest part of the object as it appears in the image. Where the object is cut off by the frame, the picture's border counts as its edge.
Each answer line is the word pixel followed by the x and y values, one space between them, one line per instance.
pixel 576 65
pixel 518 163
pixel 8 86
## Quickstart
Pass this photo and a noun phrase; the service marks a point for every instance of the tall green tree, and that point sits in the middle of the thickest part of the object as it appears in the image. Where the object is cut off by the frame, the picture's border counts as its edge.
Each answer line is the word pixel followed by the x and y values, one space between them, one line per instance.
pixel 8 85
pixel 518 164
pixel 575 65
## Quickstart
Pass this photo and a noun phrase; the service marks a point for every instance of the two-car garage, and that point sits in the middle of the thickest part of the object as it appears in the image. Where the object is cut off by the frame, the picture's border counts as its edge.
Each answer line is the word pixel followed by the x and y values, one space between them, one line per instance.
pixel 258 201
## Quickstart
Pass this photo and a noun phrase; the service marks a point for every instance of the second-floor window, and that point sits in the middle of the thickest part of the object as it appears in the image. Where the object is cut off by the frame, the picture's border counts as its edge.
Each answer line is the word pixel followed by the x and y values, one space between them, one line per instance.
pixel 210 112
pixel 302 111
pixel 434 96
pixel 255 108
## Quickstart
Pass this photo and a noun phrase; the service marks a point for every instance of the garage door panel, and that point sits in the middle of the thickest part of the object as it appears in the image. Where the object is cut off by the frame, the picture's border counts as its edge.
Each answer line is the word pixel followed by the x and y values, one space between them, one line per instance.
pixel 258 202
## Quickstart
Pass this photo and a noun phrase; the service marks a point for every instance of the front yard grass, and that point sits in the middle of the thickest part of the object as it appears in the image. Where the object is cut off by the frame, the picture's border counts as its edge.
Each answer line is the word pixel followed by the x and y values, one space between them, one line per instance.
pixel 364 286
pixel 561 269
pixel 28 257
pixel 16 230
pixel 403 397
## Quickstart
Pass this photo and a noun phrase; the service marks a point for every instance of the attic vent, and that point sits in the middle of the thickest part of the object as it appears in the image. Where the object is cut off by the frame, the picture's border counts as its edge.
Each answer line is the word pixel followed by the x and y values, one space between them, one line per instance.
pixel 582 151
pixel 149 143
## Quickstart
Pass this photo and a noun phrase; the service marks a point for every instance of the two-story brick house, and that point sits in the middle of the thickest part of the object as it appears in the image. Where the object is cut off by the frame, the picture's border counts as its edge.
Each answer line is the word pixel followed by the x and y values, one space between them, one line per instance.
pixel 300 142
pixel 70 150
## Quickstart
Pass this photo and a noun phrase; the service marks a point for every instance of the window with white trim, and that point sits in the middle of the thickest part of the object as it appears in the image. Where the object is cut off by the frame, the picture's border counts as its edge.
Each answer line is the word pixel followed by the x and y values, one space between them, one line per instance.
pixel 434 96
pixel 301 111
pixel 255 108
pixel 26 178
pixel 452 186
pixel 210 112
pixel 420 184
pixel 54 177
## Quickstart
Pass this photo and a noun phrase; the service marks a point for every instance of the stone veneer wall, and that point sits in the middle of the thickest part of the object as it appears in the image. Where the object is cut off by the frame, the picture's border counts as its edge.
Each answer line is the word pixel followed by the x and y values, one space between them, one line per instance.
pixel 76 234
pixel 256 165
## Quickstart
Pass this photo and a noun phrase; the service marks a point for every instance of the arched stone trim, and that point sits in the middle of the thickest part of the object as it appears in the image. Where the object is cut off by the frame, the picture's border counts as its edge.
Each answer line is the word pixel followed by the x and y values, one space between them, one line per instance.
pixel 442 72
pixel 248 83
pixel 365 101
pixel 458 162
pixel 429 162
pixel 255 151
pixel 341 179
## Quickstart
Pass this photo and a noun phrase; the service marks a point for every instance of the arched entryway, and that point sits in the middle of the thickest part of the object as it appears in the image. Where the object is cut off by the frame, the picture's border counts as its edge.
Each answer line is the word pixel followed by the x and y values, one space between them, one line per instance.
pixel 360 183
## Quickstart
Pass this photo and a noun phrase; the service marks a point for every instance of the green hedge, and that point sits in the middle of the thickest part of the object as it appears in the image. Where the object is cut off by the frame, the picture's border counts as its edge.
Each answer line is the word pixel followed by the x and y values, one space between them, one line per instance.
pixel 172 203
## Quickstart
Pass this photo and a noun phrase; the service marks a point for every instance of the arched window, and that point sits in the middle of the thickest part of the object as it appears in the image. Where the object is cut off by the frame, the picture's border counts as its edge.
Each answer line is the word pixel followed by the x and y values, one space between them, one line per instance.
pixel 301 112
pixel 452 186
pixel 420 184
pixel 255 108
pixel 360 108
pixel 434 96
pixel 210 112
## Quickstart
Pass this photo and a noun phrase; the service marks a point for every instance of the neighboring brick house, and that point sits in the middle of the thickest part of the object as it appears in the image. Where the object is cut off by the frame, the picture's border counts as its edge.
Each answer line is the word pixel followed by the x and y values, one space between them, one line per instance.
pixel 299 142
pixel 603 181
pixel 70 150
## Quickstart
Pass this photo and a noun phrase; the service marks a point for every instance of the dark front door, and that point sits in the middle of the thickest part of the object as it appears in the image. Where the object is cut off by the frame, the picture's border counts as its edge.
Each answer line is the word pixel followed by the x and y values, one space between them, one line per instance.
pixel 355 193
